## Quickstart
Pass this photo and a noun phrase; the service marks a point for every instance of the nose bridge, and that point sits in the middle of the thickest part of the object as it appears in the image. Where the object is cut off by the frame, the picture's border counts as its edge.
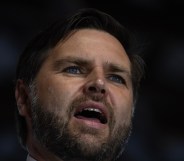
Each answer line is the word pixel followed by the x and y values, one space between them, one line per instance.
pixel 95 85
pixel 97 76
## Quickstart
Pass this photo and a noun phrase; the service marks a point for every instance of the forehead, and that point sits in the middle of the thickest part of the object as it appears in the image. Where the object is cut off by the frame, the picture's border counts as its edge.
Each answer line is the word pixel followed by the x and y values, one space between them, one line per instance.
pixel 91 44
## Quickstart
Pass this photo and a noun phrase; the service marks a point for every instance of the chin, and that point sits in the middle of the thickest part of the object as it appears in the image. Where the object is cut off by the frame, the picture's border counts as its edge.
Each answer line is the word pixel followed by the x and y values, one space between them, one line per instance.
pixel 90 136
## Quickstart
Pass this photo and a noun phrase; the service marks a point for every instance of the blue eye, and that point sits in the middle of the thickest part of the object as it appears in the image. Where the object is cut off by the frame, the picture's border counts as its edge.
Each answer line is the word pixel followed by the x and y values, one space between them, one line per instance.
pixel 117 79
pixel 72 70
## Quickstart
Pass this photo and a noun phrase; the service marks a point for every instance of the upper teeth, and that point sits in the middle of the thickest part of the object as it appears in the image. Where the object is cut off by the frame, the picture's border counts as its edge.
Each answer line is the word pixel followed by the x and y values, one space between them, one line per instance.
pixel 93 109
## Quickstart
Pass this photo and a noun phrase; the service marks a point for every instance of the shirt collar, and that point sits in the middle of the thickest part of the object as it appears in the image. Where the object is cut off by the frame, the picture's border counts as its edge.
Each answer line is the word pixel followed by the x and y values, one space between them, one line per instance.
pixel 29 158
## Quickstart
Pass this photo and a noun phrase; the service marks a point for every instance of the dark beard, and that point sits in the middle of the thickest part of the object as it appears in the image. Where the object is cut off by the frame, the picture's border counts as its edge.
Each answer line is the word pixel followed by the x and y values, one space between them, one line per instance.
pixel 52 132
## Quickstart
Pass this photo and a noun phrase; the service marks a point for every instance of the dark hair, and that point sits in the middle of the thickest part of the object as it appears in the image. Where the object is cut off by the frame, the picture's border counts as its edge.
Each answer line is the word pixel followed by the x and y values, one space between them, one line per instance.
pixel 37 50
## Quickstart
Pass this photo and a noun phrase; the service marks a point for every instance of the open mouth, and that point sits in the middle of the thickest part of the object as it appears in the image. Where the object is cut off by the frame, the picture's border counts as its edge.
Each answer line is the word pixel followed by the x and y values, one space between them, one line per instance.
pixel 92 113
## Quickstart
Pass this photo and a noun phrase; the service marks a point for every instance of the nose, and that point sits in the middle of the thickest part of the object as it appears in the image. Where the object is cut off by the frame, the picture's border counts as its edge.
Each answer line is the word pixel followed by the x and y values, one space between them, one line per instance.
pixel 96 85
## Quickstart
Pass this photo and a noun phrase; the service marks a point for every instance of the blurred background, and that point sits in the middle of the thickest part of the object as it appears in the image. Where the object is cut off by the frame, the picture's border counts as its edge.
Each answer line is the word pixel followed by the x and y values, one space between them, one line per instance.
pixel 158 130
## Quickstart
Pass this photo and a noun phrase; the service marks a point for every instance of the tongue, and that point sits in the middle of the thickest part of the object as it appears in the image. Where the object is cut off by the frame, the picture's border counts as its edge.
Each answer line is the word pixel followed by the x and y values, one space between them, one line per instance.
pixel 88 118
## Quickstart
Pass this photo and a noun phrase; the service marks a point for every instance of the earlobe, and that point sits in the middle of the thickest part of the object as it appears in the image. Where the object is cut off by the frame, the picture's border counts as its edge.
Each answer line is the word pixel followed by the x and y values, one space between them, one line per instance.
pixel 22 98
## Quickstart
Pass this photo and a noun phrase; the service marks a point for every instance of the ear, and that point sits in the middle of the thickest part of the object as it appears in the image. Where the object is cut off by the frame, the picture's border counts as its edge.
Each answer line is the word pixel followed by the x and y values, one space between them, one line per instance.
pixel 22 98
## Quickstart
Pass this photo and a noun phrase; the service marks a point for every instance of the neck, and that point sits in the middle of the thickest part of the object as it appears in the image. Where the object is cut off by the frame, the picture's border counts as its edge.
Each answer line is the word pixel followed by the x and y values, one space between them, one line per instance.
pixel 39 152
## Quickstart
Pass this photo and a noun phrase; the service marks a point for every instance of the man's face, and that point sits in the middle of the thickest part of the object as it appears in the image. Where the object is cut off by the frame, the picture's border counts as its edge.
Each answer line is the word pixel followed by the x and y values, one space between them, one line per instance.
pixel 85 98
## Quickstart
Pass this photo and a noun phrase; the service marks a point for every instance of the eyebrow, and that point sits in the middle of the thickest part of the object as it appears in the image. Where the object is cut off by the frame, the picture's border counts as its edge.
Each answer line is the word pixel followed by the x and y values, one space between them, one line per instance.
pixel 117 68
pixel 88 63
pixel 75 60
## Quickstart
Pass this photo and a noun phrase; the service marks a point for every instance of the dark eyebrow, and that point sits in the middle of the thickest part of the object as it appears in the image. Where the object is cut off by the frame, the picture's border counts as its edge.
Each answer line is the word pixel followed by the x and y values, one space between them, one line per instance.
pixel 75 60
pixel 87 63
pixel 117 68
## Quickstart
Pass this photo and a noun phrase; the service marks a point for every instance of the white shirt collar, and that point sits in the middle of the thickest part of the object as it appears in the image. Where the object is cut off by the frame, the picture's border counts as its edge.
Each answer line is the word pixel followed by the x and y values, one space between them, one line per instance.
pixel 29 158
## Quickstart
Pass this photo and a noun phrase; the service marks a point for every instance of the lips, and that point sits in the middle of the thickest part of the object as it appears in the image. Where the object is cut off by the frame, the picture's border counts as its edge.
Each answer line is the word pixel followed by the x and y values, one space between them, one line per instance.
pixel 92 112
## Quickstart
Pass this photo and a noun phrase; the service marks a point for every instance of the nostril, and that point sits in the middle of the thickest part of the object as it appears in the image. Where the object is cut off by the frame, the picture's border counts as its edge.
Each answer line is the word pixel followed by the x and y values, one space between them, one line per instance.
pixel 92 89
pixel 103 91
pixel 95 89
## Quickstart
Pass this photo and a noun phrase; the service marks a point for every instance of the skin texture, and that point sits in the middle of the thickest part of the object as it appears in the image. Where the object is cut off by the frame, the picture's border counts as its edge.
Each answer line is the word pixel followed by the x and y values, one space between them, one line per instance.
pixel 89 69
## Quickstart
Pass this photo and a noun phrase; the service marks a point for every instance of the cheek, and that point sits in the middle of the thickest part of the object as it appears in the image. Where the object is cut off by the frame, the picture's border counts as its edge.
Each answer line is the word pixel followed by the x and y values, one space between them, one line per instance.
pixel 56 92
pixel 124 113
pixel 123 104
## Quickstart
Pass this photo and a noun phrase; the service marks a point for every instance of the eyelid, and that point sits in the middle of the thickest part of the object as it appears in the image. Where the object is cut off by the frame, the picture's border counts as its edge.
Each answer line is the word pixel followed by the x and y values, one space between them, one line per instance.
pixel 72 68
pixel 81 69
pixel 121 80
